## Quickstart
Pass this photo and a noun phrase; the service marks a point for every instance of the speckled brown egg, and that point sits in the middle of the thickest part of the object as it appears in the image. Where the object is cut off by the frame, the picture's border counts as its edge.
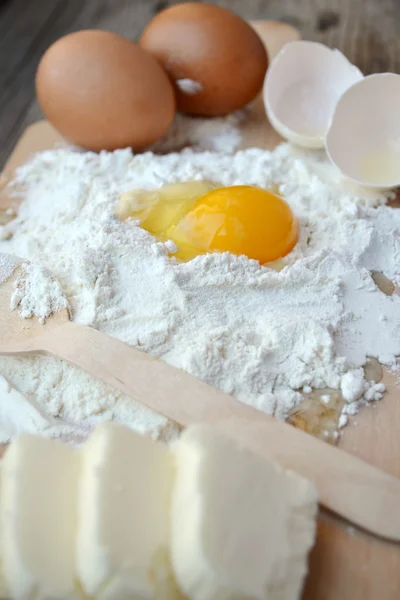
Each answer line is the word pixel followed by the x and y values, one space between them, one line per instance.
pixel 216 61
pixel 102 91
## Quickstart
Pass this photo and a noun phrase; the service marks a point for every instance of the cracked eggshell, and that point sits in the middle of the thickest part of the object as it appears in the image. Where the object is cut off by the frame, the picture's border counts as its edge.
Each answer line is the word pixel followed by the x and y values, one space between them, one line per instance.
pixel 301 89
pixel 363 140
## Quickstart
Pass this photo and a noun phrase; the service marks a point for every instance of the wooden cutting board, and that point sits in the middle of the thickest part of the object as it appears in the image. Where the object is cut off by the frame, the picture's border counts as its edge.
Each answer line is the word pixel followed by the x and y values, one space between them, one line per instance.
pixel 345 564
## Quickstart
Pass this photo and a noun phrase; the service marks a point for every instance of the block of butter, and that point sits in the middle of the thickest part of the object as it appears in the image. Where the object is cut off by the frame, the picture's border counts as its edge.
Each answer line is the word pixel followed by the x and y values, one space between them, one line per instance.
pixel 38 518
pixel 123 503
pixel 241 527
pixel 127 517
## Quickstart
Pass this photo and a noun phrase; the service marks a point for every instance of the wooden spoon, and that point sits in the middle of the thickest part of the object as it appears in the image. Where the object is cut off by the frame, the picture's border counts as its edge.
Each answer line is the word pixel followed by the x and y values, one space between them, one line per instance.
pixel 348 486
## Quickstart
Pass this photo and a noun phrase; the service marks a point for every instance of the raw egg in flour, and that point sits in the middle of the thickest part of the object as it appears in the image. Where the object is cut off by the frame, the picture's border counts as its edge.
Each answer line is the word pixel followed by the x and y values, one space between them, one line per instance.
pixel 200 217
pixel 102 91
pixel 216 61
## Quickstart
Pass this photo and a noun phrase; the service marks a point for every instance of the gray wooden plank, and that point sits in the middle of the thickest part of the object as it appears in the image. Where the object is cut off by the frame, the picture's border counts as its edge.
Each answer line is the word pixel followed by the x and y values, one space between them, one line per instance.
pixel 22 50
pixel 19 40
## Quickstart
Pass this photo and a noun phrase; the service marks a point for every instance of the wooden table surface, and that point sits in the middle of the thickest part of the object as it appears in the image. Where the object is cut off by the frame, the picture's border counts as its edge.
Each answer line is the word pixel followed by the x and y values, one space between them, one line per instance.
pixel 367 31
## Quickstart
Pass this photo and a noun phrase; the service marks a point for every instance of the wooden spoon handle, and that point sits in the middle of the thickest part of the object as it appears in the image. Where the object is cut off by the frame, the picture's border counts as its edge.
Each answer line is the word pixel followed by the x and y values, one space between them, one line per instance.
pixel 348 486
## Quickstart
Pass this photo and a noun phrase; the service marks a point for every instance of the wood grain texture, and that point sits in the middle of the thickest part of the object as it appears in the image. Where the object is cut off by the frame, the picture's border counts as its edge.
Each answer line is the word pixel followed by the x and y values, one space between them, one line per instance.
pixel 365 30
pixel 361 567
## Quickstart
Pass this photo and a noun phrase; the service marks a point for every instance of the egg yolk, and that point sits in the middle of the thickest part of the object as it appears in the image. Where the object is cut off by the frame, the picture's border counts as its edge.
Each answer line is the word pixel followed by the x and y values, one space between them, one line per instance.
pixel 200 217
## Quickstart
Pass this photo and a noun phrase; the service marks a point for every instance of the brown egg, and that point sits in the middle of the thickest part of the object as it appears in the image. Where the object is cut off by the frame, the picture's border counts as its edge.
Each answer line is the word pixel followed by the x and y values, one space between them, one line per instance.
pixel 215 59
pixel 102 91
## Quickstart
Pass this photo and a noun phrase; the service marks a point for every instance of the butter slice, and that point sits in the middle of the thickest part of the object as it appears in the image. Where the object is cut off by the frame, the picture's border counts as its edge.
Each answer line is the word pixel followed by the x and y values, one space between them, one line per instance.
pixel 124 507
pixel 38 518
pixel 241 527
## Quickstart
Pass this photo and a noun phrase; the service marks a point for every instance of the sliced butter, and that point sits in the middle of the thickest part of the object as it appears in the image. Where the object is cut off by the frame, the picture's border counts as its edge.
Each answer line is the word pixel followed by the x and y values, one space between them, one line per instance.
pixel 38 518
pixel 241 527
pixel 123 530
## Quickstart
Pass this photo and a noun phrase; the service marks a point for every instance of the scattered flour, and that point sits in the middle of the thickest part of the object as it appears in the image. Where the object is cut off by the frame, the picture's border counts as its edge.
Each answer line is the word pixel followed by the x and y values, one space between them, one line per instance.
pixel 18 415
pixel 221 134
pixel 256 333
pixel 188 86
pixel 8 264
pixel 37 293
pixel 22 414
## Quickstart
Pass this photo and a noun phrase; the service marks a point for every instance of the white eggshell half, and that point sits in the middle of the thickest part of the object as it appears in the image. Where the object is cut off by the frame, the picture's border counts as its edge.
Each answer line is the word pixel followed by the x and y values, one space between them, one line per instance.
pixel 364 136
pixel 302 87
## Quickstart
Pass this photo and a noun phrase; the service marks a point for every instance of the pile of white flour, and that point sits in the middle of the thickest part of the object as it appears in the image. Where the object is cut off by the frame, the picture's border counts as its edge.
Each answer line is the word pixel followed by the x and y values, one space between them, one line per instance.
pixel 256 333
